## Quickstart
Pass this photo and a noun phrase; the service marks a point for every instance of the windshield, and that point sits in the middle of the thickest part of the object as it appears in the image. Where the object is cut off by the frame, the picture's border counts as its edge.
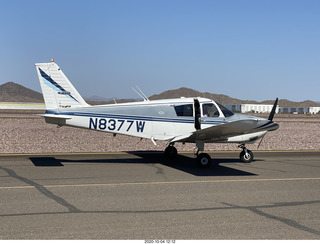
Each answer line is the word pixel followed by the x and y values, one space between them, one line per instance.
pixel 226 112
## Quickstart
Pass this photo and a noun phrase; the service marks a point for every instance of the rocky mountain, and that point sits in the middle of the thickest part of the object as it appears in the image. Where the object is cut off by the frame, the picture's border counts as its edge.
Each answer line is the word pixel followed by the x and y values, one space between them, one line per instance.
pixel 13 92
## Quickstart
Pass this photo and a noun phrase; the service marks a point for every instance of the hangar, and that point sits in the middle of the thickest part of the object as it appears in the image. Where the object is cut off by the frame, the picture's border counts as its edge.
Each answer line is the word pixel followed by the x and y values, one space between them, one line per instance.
pixel 266 108
pixel 255 108
pixel 305 110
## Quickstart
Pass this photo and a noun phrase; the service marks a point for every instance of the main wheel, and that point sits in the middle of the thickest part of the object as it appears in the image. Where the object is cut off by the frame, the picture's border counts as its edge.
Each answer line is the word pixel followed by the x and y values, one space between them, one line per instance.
pixel 203 160
pixel 246 157
pixel 170 152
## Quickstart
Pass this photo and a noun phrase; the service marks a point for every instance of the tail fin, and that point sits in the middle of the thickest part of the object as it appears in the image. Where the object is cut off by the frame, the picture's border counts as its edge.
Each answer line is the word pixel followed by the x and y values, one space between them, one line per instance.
pixel 58 92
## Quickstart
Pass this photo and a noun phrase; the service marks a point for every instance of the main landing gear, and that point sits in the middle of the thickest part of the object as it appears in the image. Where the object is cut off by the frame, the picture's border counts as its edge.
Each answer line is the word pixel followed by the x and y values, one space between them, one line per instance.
pixel 204 160
pixel 171 152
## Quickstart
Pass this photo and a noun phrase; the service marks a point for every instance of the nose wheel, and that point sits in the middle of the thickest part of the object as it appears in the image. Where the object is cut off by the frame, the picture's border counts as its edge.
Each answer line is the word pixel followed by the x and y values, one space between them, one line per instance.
pixel 246 155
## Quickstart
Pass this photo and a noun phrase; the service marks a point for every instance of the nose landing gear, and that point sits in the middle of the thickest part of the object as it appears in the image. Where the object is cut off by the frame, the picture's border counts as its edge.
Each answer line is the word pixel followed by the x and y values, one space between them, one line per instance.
pixel 246 155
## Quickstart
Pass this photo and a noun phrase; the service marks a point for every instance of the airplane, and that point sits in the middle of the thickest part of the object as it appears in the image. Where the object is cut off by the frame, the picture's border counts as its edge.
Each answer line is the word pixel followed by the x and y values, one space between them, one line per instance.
pixel 182 120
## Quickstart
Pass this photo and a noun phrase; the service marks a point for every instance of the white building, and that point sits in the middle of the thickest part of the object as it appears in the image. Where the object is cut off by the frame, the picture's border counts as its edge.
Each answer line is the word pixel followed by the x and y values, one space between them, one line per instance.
pixel 256 108
pixel 309 110
pixel 314 110
pixel 266 108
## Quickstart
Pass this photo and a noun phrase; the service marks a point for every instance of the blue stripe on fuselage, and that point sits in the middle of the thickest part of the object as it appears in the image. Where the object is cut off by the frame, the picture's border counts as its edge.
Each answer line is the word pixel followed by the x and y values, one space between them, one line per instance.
pixel 131 117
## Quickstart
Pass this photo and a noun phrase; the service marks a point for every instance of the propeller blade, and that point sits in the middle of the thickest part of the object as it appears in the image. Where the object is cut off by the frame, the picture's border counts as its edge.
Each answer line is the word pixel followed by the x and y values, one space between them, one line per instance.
pixel 273 111
pixel 197 117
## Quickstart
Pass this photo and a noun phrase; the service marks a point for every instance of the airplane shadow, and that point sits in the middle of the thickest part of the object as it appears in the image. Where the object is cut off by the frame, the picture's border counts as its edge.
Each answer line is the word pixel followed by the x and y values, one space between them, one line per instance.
pixel 46 162
pixel 182 163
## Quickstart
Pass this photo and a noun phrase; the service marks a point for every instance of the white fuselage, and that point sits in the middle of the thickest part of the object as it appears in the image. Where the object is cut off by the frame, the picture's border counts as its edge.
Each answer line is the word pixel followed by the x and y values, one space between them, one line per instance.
pixel 170 119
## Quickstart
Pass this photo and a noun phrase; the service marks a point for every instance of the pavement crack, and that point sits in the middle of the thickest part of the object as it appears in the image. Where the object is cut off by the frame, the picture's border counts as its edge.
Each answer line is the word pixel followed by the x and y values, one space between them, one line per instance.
pixel 286 221
pixel 42 190
pixel 254 209
pixel 159 169
pixel 290 222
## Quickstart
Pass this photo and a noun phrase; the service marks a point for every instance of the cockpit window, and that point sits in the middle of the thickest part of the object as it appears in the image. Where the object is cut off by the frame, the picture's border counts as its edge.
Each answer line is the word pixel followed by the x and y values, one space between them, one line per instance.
pixel 184 110
pixel 210 110
pixel 226 112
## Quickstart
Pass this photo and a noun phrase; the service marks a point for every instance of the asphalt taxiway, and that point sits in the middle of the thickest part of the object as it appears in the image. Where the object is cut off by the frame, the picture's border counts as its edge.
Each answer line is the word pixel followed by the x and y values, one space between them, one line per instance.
pixel 137 195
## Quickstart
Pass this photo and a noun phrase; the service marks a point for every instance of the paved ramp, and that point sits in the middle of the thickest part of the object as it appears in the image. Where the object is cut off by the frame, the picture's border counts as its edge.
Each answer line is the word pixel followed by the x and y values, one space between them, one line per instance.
pixel 136 195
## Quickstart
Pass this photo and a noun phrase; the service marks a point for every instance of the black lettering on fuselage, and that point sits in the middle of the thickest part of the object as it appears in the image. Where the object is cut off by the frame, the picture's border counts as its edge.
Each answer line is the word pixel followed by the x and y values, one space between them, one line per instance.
pixel 115 125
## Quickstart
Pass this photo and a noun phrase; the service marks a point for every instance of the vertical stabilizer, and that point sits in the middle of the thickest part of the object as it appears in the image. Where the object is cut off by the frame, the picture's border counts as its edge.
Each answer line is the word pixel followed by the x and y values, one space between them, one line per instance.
pixel 57 90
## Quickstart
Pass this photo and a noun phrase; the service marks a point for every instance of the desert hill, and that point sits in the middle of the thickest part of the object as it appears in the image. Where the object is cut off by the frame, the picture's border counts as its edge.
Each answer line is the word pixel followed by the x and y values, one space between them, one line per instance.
pixel 13 92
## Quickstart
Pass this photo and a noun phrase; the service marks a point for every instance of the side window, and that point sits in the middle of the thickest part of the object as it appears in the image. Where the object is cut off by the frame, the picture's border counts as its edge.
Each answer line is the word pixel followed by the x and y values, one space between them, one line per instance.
pixel 184 110
pixel 210 110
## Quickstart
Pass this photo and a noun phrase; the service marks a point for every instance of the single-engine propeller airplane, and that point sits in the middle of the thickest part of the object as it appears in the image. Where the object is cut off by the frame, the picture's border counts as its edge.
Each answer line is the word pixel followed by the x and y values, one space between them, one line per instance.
pixel 187 120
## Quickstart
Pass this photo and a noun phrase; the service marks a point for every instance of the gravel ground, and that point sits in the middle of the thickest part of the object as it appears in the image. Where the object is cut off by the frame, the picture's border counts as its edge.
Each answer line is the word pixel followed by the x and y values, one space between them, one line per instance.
pixel 30 134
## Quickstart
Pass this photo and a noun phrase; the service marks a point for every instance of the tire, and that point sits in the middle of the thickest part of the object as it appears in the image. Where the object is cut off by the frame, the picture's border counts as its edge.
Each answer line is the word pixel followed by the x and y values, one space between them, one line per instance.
pixel 170 152
pixel 246 158
pixel 203 160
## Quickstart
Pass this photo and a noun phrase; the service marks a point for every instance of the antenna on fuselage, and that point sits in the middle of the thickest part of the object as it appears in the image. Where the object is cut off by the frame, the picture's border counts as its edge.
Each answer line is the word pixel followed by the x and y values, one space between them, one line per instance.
pixel 141 94
pixel 147 99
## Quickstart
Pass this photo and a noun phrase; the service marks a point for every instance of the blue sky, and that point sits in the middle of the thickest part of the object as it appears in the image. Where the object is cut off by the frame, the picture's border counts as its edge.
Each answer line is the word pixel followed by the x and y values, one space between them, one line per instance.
pixel 247 49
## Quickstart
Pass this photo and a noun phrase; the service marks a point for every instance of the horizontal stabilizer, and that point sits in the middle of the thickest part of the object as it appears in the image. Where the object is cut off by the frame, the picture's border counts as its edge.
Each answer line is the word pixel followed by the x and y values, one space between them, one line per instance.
pixel 55 116
pixel 59 120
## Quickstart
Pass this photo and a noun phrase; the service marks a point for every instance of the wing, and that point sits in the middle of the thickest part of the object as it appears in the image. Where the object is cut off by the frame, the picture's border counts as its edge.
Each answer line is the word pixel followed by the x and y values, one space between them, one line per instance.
pixel 223 131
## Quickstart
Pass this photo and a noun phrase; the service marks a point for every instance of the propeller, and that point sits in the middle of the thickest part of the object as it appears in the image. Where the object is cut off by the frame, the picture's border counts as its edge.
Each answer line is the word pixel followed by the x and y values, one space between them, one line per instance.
pixel 197 117
pixel 271 115
pixel 273 111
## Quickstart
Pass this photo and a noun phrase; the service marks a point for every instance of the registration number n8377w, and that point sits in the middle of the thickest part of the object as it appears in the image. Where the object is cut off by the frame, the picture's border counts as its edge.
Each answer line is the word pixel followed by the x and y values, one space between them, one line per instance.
pixel 116 124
